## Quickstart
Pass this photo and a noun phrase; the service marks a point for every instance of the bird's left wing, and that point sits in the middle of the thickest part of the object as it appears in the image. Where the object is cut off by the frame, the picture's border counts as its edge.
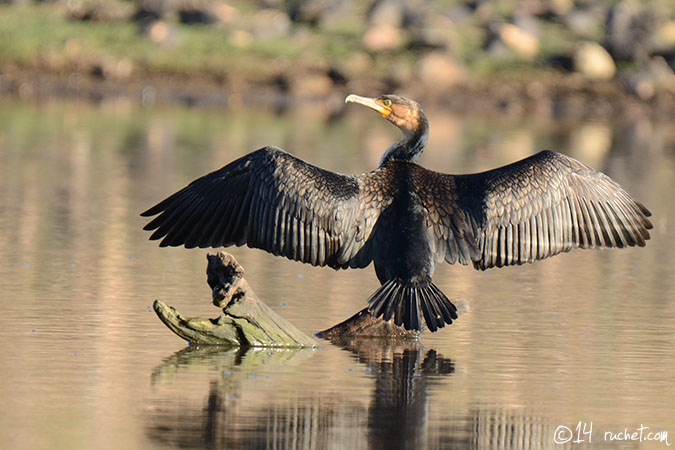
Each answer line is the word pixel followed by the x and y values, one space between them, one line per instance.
pixel 274 201
pixel 529 210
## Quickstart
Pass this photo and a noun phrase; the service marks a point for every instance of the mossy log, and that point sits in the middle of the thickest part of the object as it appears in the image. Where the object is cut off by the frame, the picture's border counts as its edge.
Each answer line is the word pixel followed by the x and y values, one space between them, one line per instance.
pixel 248 322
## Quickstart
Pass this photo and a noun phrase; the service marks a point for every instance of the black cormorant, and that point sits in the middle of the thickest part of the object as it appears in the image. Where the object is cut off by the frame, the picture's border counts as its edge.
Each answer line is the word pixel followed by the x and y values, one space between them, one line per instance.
pixel 402 217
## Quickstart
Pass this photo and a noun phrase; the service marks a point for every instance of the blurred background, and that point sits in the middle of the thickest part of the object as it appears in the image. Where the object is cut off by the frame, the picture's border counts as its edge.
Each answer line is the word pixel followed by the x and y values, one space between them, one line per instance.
pixel 551 57
pixel 107 107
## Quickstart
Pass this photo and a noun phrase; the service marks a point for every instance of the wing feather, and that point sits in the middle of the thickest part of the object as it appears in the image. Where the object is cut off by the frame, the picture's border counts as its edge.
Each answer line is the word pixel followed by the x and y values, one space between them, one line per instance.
pixel 274 201
pixel 529 210
pixel 555 203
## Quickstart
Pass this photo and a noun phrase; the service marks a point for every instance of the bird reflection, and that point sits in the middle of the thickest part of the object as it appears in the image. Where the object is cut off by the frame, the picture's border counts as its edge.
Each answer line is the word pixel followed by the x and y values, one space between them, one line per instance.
pixel 398 415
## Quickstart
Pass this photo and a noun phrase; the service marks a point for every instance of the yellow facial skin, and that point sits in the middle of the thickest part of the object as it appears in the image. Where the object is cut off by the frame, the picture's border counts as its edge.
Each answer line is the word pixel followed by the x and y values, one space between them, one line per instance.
pixel 382 106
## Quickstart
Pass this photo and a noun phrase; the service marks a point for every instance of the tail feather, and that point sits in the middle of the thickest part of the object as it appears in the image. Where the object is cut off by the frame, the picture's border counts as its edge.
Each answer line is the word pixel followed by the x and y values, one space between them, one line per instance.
pixel 428 310
pixel 446 309
pixel 389 306
pixel 404 301
pixel 376 304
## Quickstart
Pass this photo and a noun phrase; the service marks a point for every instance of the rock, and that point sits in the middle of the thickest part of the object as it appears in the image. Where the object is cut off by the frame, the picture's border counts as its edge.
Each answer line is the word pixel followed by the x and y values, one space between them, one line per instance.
pixel 629 30
pixel 312 85
pixel 657 77
pixel 439 34
pixel 519 40
pixel 357 65
pixel 662 74
pixel 382 38
pixel 561 7
pixel 400 74
pixel 196 16
pixel 587 23
pixel 387 12
pixel 241 38
pixel 439 71
pixel 594 62
pixel 664 37
pixel 161 32
pixel 269 24
pixel 100 11
pixel 326 14
pixel 151 10
pixel 528 23
pixel 225 13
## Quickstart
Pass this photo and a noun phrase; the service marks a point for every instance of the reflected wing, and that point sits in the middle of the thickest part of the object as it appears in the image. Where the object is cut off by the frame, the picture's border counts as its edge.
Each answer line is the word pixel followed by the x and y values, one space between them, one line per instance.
pixel 535 208
pixel 274 201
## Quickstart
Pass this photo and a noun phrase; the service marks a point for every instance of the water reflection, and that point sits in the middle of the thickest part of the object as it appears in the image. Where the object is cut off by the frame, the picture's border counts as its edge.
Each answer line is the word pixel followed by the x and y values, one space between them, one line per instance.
pixel 397 415
pixel 228 411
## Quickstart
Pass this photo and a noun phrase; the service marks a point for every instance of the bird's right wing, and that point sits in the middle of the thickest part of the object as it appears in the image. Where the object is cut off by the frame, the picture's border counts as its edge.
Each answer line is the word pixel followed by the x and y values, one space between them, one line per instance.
pixel 274 201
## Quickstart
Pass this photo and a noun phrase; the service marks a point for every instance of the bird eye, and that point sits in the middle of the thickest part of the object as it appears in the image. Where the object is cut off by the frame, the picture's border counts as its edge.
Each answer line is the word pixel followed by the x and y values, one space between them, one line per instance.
pixel 387 102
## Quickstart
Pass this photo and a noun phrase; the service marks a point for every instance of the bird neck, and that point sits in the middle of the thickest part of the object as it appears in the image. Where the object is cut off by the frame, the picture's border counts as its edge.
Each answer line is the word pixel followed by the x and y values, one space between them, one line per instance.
pixel 411 145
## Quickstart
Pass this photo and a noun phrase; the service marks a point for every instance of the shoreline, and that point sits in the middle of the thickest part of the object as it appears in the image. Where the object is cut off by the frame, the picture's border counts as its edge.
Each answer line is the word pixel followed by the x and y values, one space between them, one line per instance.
pixel 552 95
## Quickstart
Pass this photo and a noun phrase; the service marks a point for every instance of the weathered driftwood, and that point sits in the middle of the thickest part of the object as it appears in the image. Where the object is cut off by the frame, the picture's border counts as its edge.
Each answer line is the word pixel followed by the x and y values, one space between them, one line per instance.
pixel 246 321
pixel 363 324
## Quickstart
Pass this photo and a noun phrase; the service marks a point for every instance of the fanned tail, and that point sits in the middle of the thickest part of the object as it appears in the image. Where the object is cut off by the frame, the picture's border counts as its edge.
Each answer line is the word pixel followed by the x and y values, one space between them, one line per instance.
pixel 404 301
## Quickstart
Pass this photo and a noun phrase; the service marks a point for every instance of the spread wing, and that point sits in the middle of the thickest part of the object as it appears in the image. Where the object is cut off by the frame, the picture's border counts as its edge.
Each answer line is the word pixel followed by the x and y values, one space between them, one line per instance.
pixel 274 201
pixel 530 210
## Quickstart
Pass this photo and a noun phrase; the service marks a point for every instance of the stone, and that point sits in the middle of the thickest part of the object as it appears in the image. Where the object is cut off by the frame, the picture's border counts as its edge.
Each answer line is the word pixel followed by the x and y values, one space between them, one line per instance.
pixel 387 12
pixel 519 40
pixel 630 26
pixel 587 23
pixel 161 32
pixel 594 62
pixel 100 11
pixel 664 37
pixel 312 85
pixel 439 71
pixel 270 24
pixel 225 13
pixel 382 38
pixel 656 77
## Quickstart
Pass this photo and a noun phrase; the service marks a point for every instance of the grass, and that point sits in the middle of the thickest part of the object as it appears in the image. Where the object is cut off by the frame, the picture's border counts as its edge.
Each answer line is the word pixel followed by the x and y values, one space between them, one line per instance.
pixel 35 36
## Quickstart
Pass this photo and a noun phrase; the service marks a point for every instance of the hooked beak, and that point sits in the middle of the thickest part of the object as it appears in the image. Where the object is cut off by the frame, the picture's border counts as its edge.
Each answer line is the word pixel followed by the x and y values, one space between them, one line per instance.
pixel 371 103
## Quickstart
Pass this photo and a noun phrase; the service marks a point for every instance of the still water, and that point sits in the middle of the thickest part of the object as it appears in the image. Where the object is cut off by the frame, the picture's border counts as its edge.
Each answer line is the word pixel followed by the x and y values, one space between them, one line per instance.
pixel 574 347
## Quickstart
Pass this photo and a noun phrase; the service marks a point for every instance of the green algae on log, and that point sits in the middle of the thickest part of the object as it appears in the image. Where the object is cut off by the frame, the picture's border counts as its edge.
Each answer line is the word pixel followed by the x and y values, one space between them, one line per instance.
pixel 246 321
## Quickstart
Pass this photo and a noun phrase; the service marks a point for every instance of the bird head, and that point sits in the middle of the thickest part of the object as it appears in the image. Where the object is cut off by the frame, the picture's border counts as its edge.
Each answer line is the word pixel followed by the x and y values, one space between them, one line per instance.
pixel 406 114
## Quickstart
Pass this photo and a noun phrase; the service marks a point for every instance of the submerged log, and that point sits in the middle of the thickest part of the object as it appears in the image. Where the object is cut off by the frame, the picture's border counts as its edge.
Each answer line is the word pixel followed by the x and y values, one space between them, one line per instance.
pixel 248 322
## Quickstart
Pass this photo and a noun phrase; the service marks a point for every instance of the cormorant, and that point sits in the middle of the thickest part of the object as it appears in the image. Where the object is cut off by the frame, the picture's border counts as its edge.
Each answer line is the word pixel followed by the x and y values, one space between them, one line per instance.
pixel 402 217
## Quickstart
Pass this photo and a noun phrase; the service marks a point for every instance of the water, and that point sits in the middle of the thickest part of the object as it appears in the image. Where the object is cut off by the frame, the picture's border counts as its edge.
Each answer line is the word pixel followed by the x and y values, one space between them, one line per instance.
pixel 585 339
